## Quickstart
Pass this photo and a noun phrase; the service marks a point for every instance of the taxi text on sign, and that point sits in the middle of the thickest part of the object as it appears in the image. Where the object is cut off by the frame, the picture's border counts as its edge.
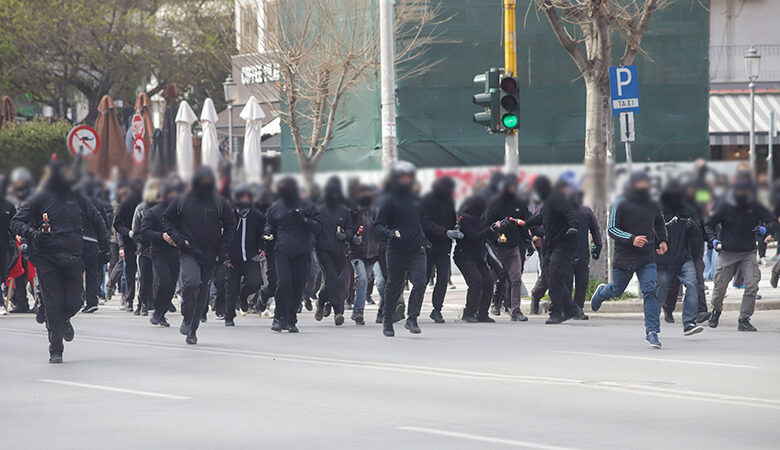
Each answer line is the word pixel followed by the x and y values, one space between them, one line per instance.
pixel 624 89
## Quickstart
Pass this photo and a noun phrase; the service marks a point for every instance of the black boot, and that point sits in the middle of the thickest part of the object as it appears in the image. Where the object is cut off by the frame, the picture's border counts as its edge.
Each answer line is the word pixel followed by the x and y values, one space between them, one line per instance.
pixel 67 331
pixel 714 318
pixel 534 306
pixel 668 317
pixel 745 325
pixel 387 328
pixel 495 309
pixel 411 325
pixel 436 316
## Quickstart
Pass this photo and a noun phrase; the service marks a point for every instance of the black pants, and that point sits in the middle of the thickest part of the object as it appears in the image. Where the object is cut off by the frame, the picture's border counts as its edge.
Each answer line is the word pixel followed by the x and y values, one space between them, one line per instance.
pixel 166 272
pixel 560 274
pixel 220 281
pixel 131 267
pixel 581 278
pixel 145 282
pixel 249 271
pixel 334 273
pixel 399 266
pixel 540 287
pixel 61 277
pixel 670 302
pixel 499 275
pixel 270 273
pixel 480 283
pixel 291 273
pixel 93 273
pixel 114 274
pixel 5 263
pixel 195 276
pixel 439 258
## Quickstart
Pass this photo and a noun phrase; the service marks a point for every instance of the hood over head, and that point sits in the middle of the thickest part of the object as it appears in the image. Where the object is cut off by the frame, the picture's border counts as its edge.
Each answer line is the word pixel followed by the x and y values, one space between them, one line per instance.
pixel 635 190
pixel 473 206
pixel 509 185
pixel 62 176
pixel 673 195
pixel 203 181
pixel 288 191
pixel 402 177
pixel 333 192
pixel 542 187
pixel 444 187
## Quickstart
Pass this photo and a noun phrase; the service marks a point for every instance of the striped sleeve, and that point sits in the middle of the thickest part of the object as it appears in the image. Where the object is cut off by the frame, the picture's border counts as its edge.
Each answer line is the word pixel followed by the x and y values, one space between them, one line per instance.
pixel 614 221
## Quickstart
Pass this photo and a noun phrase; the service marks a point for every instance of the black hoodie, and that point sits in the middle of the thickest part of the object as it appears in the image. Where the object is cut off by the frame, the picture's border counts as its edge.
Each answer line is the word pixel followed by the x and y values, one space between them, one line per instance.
pixel 7 212
pixel 399 210
pixel 507 204
pixel 737 220
pixel 472 246
pixel 438 213
pixel 334 214
pixel 682 234
pixel 292 220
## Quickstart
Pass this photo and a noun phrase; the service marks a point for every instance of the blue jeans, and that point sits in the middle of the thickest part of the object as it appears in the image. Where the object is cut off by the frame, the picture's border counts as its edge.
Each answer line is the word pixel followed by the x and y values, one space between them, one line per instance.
pixel 687 276
pixel 362 271
pixel 379 281
pixel 711 263
pixel 647 284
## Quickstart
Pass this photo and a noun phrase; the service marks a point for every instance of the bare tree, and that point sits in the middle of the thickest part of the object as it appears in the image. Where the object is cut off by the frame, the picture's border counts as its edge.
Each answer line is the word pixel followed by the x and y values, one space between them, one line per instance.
pixel 584 29
pixel 325 48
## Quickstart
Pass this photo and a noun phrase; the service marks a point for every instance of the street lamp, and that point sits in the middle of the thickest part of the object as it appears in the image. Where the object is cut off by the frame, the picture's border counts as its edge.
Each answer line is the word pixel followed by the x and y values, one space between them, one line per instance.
pixel 230 96
pixel 752 64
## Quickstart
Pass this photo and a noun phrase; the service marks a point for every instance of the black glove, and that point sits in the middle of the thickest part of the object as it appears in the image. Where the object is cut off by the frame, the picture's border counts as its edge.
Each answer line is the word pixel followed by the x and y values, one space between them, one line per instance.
pixel 595 254
pixel 341 236
pixel 105 256
pixel 357 240
pixel 41 239
pixel 297 215
pixel 571 231
pixel 530 250
pixel 504 223
pixel 690 224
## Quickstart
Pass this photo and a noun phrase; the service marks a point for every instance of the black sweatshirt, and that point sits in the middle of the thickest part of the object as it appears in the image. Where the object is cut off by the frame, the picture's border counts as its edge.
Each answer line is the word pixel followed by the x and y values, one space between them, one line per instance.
pixel 632 218
pixel 247 240
pixel 438 215
pixel 152 230
pixel 400 211
pixel 123 222
pixel 292 236
pixel 204 228
pixel 502 206
pixel 587 221
pixel 331 217
pixel 737 223
pixel 558 215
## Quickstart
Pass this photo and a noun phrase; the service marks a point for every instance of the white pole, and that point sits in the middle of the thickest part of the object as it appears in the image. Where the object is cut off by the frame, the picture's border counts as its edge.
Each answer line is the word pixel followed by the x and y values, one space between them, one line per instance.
pixel 233 159
pixel 511 153
pixel 628 158
pixel 753 128
pixel 770 157
pixel 387 72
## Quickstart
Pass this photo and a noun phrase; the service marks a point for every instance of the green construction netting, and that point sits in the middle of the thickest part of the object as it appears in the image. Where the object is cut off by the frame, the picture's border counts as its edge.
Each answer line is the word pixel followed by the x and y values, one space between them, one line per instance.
pixel 434 110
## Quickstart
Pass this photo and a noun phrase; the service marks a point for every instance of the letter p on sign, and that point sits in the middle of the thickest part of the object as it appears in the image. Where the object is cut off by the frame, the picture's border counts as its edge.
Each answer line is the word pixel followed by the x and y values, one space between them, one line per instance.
pixel 624 89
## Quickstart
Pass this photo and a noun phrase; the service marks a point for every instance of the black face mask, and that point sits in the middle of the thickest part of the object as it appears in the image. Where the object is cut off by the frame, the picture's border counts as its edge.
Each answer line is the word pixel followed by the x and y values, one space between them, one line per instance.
pixel 641 195
pixel 289 194
pixel 203 189
pixel 333 199
pixel 742 200
pixel 244 205
pixel 365 200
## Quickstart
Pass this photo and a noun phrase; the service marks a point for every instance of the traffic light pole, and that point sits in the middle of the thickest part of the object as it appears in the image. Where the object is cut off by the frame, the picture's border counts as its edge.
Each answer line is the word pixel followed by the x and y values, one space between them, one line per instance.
pixel 510 68
pixel 387 73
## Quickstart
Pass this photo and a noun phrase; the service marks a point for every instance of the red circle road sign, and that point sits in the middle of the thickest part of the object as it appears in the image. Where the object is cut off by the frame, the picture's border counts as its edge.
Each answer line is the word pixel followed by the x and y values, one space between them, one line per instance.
pixel 139 151
pixel 138 126
pixel 83 141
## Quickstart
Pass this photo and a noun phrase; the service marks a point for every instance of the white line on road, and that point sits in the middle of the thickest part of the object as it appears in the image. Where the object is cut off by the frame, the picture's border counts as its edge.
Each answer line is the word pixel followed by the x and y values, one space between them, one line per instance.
pixel 679 361
pixel 114 389
pixel 487 439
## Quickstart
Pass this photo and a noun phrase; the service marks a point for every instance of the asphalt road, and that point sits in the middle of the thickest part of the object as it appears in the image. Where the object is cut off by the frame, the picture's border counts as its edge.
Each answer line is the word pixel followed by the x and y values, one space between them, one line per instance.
pixel 588 385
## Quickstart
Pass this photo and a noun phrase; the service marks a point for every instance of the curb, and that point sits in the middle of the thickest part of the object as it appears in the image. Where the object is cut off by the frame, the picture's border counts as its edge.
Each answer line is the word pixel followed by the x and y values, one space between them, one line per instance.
pixel 635 306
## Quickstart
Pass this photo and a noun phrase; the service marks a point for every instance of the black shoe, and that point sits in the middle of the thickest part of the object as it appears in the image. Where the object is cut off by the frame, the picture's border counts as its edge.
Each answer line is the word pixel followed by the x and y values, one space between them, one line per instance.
pixel 387 328
pixel 55 359
pixel 191 339
pixel 67 331
pixel 400 312
pixel 89 309
pixel 370 301
pixel 338 319
pixel 220 315
pixel 469 318
pixel 159 321
pixel 668 317
pixel 436 316
pixel 292 329
pixel 319 313
pixel 714 318
pixel 745 325
pixel 276 326
pixel 485 319
pixel 327 310
pixel 554 319
pixel 164 323
pixel 495 309
pixel 703 317
pixel 534 306
pixel 580 316
pixel 137 311
pixel 172 308
pixel 40 315
pixel 307 304
pixel 774 278
pixel 358 318
pixel 411 325
pixel 379 318
pixel 203 319
pixel 692 329
pixel 144 310
pixel 518 316
pixel 229 323
pixel 184 328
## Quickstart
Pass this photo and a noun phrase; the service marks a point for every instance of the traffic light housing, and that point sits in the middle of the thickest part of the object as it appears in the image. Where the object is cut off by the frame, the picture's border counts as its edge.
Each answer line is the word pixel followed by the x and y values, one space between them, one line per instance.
pixel 488 99
pixel 510 103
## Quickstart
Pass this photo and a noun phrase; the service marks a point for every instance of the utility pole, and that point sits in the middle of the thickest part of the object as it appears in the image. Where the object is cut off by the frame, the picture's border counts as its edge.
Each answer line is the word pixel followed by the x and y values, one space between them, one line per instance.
pixel 510 68
pixel 387 73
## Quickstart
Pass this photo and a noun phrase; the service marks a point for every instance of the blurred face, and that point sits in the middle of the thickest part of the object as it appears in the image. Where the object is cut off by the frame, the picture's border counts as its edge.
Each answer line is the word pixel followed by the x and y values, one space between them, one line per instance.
pixel 406 179
pixel 643 185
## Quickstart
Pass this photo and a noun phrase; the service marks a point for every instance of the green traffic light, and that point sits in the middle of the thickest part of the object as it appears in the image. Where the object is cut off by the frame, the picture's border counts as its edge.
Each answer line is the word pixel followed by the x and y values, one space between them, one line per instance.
pixel 509 120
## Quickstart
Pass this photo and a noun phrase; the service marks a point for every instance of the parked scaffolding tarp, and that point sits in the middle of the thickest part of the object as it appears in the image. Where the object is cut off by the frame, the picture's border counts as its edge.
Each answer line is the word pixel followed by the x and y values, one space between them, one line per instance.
pixel 434 124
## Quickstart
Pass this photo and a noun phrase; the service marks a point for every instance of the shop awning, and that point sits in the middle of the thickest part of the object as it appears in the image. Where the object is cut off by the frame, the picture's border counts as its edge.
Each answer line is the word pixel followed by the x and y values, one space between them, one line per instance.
pixel 730 118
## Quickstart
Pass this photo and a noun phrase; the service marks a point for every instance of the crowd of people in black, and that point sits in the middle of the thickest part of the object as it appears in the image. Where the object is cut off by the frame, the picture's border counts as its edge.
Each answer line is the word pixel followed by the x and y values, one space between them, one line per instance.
pixel 74 242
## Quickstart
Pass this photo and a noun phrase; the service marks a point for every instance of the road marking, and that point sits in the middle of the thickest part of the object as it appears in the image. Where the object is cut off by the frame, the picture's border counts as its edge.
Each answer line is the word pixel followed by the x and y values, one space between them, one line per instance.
pixel 612 386
pixel 487 439
pixel 679 361
pixel 114 389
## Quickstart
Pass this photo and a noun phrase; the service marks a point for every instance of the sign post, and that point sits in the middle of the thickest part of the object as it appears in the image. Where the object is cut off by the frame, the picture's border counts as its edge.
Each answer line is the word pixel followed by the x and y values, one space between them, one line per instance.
pixel 624 93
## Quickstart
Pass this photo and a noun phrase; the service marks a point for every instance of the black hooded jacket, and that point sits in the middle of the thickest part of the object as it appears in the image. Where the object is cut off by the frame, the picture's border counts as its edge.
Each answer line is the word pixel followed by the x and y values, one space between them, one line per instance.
pixel 292 221
pixel 508 204
pixel 633 215
pixel 334 215
pixel 247 240
pixel 152 230
pixel 438 213
pixel 399 210
pixel 7 212
pixel 682 234
pixel 587 222
pixel 123 222
pixel 200 222
pixel 472 246
pixel 737 221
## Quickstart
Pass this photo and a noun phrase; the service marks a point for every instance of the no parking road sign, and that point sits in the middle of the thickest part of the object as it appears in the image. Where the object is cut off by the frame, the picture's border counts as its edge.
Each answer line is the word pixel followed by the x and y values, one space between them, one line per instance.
pixel 139 151
pixel 624 89
pixel 83 142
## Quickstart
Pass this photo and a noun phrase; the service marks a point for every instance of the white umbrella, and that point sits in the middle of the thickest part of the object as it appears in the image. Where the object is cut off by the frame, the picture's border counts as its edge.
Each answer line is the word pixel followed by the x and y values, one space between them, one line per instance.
pixel 185 158
pixel 253 159
pixel 209 146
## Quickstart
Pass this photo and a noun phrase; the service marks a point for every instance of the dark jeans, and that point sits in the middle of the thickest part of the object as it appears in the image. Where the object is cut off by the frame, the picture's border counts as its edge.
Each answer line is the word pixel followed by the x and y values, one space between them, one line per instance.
pixel 686 275
pixel 480 283
pixel 61 278
pixel 560 275
pixel 438 257
pixel 334 273
pixel 670 298
pixel 93 273
pixel 400 265
pixel 291 272
pixel 145 282
pixel 249 271
pixel 195 277
pixel 166 272
pixel 581 278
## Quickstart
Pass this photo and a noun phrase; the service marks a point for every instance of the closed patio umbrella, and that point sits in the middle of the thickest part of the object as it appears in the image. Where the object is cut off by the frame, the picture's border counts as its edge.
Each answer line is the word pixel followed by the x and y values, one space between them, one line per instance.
pixel 7 112
pixel 185 159
pixel 113 151
pixel 209 146
pixel 253 157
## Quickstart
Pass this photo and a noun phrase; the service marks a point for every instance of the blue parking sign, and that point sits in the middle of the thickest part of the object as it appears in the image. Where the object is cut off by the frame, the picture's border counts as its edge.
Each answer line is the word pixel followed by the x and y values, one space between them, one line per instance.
pixel 624 89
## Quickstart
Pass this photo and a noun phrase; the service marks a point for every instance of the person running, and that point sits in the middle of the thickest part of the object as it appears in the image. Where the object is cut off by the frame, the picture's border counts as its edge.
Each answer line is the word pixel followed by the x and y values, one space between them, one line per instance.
pixel 470 259
pixel 637 227
pixel 363 250
pixel 742 219
pixel 587 221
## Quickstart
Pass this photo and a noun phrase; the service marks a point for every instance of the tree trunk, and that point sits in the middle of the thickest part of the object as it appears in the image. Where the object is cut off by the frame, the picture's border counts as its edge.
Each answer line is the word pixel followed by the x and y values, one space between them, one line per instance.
pixel 596 171
pixel 307 173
